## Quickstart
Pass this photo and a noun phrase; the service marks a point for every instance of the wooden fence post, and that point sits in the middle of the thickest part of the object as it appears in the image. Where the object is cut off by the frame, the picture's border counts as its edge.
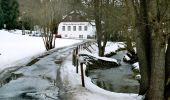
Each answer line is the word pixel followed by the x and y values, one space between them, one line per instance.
pixel 82 75
pixel 77 63
pixel 73 58
pixel 77 66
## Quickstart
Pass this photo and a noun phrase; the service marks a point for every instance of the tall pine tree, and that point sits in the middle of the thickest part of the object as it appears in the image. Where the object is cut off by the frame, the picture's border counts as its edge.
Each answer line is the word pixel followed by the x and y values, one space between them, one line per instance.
pixel 10 9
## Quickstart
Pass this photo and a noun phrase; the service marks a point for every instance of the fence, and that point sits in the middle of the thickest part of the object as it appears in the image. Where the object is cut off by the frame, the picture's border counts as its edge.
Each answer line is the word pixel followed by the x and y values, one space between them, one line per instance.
pixel 76 60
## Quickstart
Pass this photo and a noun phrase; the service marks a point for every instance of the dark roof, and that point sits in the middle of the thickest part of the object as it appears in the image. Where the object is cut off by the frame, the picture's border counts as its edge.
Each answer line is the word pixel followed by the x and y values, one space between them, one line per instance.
pixel 75 16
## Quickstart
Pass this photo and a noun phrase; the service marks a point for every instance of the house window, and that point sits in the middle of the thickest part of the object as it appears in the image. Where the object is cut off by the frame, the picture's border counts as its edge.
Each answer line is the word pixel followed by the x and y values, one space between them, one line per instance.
pixel 69 28
pixel 74 28
pixel 81 36
pixel 63 28
pixel 88 36
pixel 85 28
pixel 80 28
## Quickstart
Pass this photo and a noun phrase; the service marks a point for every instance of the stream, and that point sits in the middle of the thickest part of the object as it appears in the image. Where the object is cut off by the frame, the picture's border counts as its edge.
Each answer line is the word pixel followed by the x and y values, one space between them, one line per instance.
pixel 118 79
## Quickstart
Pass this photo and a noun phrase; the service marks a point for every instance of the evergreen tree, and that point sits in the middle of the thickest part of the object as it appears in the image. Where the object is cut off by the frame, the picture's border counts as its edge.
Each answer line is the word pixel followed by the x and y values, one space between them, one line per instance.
pixel 10 9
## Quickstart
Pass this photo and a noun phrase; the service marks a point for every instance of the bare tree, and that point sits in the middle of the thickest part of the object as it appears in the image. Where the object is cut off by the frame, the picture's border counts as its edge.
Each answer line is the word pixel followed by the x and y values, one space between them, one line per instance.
pixel 110 20
pixel 104 22
pixel 98 21
pixel 151 43
pixel 94 12
pixel 49 16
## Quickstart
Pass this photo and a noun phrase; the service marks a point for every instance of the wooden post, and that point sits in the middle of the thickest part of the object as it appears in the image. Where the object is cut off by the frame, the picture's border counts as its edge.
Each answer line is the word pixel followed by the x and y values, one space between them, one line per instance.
pixel 77 66
pixel 73 58
pixel 82 75
pixel 76 51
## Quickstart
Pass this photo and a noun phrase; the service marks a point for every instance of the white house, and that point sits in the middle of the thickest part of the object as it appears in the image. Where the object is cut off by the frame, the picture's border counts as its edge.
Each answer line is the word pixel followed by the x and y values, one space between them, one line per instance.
pixel 74 25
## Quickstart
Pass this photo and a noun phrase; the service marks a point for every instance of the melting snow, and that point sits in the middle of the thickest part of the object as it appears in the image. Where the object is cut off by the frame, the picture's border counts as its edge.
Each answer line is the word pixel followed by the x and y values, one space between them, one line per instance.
pixel 17 49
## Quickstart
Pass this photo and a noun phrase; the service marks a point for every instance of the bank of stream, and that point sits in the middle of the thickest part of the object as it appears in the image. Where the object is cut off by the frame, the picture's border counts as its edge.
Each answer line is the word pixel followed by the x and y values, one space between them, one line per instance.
pixel 117 79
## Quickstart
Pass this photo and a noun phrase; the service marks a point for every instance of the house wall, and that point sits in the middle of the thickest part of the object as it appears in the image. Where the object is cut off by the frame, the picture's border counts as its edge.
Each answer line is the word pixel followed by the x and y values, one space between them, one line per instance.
pixel 77 34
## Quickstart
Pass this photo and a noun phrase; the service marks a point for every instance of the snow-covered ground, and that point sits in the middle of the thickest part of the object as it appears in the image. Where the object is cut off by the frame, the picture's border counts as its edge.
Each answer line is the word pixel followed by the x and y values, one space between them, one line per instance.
pixel 37 82
pixel 113 46
pixel 38 79
pixel 16 48
pixel 110 47
pixel 72 82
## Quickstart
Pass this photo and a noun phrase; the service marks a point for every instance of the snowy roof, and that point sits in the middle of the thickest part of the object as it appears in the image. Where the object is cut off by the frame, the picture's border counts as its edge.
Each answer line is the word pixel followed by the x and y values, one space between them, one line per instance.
pixel 97 57
pixel 75 16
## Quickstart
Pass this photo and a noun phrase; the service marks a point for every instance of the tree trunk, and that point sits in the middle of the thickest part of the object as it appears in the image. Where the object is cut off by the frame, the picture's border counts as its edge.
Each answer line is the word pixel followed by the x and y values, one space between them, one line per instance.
pixel 97 14
pixel 157 82
pixel 167 71
pixel 142 43
pixel 151 49
pixel 101 51
pixel 168 60
pixel 156 90
pixel 143 47
pixel 143 54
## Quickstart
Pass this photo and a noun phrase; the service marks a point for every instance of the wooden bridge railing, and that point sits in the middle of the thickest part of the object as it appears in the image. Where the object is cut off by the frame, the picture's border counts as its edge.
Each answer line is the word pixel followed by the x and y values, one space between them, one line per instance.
pixel 76 60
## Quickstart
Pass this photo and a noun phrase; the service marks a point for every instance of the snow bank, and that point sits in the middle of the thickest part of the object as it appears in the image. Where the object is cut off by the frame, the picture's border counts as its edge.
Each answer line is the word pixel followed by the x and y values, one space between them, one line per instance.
pixel 126 58
pixel 113 46
pixel 110 47
pixel 136 66
pixel 72 82
pixel 17 49
pixel 101 58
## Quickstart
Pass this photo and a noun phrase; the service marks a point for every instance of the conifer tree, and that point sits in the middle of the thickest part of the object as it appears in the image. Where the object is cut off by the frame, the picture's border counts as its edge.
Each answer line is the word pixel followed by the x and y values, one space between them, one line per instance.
pixel 10 9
